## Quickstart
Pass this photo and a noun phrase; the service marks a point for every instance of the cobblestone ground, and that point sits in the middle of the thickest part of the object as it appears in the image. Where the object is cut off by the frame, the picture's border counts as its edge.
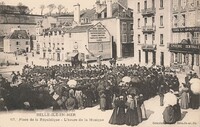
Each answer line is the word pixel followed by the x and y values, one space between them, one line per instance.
pixel 190 118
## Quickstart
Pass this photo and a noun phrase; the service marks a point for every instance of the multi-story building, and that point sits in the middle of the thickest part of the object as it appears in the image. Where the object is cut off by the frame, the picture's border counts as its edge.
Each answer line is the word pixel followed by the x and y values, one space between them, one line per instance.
pixel 118 19
pixel 103 15
pixel 185 44
pixel 12 17
pixel 17 40
pixel 87 41
pixel 51 44
pixel 152 31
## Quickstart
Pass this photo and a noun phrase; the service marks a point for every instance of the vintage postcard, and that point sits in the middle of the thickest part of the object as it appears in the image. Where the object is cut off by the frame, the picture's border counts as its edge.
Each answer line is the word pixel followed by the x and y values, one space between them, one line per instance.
pixel 102 63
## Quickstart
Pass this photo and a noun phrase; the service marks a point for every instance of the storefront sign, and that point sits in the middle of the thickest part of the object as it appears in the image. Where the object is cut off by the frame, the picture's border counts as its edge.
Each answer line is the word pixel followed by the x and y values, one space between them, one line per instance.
pixel 98 33
pixel 186 29
pixel 193 48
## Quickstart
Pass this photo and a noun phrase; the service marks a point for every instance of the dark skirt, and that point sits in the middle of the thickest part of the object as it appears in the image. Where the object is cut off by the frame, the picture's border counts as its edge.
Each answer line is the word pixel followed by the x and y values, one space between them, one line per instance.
pixel 177 112
pixel 113 118
pixel 194 101
pixel 131 117
pixel 121 116
pixel 139 113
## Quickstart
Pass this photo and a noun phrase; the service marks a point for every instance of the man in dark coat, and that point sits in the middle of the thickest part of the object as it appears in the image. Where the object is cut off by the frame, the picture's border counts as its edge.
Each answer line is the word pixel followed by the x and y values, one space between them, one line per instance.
pixel 161 92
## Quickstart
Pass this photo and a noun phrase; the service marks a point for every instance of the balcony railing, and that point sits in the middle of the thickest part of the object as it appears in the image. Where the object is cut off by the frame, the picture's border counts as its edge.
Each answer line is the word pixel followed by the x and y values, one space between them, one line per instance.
pixel 148 11
pixel 149 29
pixel 191 8
pixel 175 10
pixel 149 47
pixel 183 9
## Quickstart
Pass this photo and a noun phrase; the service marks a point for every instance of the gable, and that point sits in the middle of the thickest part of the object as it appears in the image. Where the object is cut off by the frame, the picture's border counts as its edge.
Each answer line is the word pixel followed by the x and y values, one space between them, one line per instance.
pixel 98 33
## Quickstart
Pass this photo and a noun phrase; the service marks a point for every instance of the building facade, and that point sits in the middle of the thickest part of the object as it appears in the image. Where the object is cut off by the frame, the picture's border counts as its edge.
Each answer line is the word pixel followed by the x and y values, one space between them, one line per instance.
pixel 88 42
pixel 17 40
pixel 152 31
pixel 117 13
pixel 51 44
pixel 185 46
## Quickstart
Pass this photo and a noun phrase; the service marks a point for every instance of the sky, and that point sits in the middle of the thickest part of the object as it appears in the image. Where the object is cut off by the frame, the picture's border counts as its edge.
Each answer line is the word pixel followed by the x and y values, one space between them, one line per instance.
pixel 36 4
pixel 67 3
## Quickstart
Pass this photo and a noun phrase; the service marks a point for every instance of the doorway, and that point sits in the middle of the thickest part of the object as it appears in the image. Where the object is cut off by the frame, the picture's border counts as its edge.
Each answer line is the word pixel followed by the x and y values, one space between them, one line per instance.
pixel 162 59
pixel 114 49
pixel 154 57
pixel 44 55
pixel 27 49
pixel 58 56
pixel 146 57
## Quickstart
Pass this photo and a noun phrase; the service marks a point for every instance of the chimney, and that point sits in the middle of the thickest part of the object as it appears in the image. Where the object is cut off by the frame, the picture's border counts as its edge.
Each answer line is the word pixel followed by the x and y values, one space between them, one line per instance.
pixel 109 8
pixel 77 13
pixel 98 6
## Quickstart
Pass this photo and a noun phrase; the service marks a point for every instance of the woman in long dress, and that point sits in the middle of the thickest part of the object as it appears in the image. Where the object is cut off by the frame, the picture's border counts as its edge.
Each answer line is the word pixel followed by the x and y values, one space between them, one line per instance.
pixel 142 106
pixel 113 118
pixel 102 100
pixel 79 98
pixel 138 107
pixel 184 97
pixel 131 113
pixel 121 111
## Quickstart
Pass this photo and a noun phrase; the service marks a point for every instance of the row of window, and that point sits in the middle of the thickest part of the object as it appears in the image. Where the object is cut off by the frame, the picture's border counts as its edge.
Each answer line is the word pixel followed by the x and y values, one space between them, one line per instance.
pixel 18 43
pixel 184 58
pixel 194 38
pixel 153 39
pixel 124 38
pixel 53 45
pixel 153 21
pixel 125 26
pixel 153 4
pixel 184 3
pixel 153 57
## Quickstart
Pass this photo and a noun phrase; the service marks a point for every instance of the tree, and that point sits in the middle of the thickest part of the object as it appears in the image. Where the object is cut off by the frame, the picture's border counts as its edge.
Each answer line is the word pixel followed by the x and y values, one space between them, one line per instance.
pixel 22 8
pixel 66 10
pixel 42 7
pixel 20 4
pixel 60 8
pixel 51 8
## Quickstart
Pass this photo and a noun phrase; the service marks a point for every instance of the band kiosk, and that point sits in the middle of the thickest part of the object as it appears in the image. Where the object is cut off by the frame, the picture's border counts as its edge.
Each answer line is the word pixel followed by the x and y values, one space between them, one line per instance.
pixel 74 56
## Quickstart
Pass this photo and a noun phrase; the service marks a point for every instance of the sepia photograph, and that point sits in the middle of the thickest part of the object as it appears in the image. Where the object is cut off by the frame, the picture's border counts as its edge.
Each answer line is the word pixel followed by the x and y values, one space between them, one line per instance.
pixel 99 63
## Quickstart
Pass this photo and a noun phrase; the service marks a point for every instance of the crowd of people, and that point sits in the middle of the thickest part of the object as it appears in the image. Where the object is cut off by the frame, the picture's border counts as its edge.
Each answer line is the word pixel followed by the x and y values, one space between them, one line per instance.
pixel 39 87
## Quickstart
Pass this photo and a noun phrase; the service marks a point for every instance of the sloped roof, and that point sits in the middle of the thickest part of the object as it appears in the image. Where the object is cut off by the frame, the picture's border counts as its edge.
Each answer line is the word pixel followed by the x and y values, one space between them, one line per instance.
pixel 115 9
pixel 89 13
pixel 18 34
pixel 79 29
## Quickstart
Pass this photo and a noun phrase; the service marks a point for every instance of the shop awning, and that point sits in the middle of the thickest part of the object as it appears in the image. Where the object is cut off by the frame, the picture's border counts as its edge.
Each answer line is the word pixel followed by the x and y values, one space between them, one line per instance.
pixel 184 48
pixel 73 54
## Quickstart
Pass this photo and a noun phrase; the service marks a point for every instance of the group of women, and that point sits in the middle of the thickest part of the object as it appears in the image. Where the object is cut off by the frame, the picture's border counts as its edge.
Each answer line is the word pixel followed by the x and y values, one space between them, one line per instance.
pixel 41 87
